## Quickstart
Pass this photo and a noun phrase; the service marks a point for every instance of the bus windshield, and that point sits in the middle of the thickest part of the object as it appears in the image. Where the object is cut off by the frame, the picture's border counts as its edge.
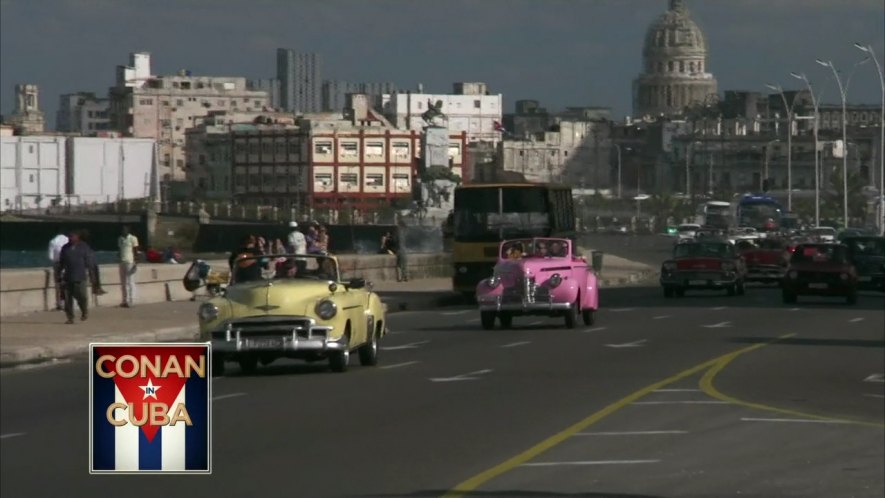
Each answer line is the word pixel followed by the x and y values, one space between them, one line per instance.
pixel 759 215
pixel 486 215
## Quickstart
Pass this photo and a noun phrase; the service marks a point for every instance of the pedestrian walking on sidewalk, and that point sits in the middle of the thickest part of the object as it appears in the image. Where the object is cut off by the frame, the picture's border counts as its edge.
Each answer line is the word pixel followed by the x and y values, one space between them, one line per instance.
pixel 55 247
pixel 94 273
pixel 76 261
pixel 127 245
pixel 395 243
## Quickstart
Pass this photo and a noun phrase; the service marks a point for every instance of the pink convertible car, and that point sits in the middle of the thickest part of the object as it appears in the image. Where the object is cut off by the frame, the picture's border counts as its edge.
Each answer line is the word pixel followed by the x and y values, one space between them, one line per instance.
pixel 540 276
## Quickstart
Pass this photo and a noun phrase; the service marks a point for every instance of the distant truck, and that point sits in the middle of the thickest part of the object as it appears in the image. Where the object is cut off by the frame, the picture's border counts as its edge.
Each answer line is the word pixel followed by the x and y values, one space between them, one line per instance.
pixel 715 214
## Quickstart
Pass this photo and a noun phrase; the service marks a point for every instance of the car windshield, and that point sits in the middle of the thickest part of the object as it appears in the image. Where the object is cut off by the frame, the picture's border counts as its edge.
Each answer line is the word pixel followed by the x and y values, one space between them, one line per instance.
pixel 285 267
pixel 538 248
pixel 480 217
pixel 824 231
pixel 829 253
pixel 705 249
pixel 687 228
pixel 867 247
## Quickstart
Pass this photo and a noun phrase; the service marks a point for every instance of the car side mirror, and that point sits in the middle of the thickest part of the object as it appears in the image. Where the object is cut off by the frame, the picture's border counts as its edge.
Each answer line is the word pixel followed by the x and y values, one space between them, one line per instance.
pixel 356 283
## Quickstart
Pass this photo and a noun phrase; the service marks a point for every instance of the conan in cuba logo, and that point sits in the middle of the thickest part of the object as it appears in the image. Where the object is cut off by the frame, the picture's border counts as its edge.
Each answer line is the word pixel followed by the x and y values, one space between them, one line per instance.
pixel 150 408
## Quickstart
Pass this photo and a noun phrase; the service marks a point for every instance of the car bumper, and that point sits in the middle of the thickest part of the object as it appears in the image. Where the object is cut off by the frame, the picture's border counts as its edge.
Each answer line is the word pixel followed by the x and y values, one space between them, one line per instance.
pixel 765 274
pixel 699 281
pixel 271 337
pixel 820 288
pixel 496 303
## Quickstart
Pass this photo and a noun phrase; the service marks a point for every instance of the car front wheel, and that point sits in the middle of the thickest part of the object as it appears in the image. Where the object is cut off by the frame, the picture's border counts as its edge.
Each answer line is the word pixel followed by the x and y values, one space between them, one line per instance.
pixel 369 351
pixel 571 316
pixel 488 319
pixel 589 317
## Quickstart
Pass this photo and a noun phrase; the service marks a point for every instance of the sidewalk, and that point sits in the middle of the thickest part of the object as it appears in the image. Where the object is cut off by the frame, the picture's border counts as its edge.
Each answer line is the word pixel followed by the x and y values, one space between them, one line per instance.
pixel 43 336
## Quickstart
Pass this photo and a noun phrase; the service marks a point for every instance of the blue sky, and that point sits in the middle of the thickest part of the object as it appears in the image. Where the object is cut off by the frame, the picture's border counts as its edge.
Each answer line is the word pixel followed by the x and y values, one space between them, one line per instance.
pixel 561 52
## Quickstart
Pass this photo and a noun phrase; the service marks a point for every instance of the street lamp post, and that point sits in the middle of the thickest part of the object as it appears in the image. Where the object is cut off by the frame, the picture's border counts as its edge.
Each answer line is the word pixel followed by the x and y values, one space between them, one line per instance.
pixel 881 210
pixel 814 103
pixel 789 110
pixel 618 147
pixel 765 155
pixel 688 169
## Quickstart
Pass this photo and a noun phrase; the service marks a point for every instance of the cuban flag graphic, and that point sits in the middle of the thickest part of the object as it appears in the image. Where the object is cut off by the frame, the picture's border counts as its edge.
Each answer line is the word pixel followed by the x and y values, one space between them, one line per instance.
pixel 150 408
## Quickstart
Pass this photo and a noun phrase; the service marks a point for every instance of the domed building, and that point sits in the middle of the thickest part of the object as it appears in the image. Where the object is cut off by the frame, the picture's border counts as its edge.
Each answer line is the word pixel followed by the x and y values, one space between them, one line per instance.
pixel 674 66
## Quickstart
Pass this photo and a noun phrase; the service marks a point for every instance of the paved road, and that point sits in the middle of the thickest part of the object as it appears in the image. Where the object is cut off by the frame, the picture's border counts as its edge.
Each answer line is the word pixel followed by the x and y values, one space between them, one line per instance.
pixel 649 249
pixel 660 398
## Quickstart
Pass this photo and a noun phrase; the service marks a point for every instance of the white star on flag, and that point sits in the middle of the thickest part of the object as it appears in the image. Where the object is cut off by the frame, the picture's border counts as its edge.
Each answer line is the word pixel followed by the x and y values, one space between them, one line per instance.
pixel 150 387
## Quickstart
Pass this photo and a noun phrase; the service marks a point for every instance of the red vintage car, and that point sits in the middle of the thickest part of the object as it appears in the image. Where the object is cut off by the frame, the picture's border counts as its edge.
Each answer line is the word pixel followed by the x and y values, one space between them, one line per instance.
pixel 820 269
pixel 766 260
pixel 704 264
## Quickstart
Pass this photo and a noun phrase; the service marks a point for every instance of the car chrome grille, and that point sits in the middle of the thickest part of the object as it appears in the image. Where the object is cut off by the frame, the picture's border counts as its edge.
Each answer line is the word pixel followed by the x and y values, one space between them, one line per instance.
pixel 273 327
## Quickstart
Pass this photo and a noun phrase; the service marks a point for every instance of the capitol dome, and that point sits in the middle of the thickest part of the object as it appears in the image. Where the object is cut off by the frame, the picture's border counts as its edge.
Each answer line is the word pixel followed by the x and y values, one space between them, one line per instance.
pixel 674 65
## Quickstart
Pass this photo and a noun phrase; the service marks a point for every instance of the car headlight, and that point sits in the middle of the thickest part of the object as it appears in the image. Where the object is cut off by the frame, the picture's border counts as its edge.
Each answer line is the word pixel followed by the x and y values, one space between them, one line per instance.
pixel 326 309
pixel 793 274
pixel 493 282
pixel 208 312
pixel 669 266
pixel 555 280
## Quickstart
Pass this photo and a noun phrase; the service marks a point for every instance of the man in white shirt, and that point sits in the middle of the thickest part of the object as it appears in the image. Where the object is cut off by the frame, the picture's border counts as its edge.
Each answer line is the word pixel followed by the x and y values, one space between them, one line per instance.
pixel 128 248
pixel 297 244
pixel 55 246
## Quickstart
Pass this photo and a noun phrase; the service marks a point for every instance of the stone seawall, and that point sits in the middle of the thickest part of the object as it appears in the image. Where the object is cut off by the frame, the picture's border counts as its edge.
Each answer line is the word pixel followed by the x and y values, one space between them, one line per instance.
pixel 29 290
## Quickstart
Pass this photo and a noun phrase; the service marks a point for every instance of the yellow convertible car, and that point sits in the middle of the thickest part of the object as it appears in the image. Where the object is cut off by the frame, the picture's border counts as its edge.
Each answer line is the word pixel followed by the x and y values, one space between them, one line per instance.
pixel 292 306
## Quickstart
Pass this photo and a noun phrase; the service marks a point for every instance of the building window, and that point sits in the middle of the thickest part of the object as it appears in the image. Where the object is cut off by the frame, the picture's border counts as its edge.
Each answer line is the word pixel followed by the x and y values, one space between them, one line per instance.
pixel 240 148
pixel 265 147
pixel 375 180
pixel 146 101
pixel 293 148
pixel 202 160
pixel 552 153
pixel 454 150
pixel 179 102
pixel 477 104
pixel 670 66
pixel 400 180
pixel 401 149
pixel 375 149
pixel 660 67
pixel 565 153
pixel 521 153
pixel 294 180
pixel 240 180
pixel 257 103
pixel 179 163
pixel 348 149
pixel 323 180
pixel 30 149
pixel 31 178
pixel 681 66
pixel 321 148
pixel 350 179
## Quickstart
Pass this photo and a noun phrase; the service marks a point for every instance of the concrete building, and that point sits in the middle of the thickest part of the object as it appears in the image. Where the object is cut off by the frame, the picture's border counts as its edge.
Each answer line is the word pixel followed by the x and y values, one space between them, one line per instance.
pixel 269 85
pixel 39 171
pixel 82 113
pixel 32 171
pixel 163 107
pixel 471 110
pixel 27 118
pixel 675 72
pixel 300 76
pixel 335 93
pixel 210 148
pixel 103 170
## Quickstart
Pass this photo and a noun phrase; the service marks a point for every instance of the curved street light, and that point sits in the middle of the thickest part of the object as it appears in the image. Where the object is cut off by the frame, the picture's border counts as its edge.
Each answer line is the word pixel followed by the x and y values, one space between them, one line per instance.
pixel 881 209
pixel 789 110
pixel 814 103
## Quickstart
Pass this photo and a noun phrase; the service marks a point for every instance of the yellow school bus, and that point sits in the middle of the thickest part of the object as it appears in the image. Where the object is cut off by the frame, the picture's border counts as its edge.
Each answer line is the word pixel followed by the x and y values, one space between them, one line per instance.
pixel 487 213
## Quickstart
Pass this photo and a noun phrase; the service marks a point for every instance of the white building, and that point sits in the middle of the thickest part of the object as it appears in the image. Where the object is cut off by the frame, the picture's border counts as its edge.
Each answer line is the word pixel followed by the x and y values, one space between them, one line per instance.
pixel 38 171
pixel 470 109
pixel 82 112
pixel 111 169
pixel 32 171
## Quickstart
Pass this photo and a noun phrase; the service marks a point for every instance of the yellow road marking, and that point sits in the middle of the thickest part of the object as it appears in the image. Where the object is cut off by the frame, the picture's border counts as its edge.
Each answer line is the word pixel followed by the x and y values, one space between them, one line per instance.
pixel 513 462
pixel 706 385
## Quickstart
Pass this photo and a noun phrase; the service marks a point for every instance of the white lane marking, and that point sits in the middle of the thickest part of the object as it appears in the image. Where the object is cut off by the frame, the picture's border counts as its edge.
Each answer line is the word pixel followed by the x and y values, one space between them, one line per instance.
pixel 677 390
pixel 634 344
pixel 456 378
pixel 629 433
pixel 590 462
pixel 411 345
pixel 515 344
pixel 660 317
pixel 595 329
pixel 720 308
pixel 800 420
pixel 536 322
pixel 12 434
pixel 720 325
pixel 875 395
pixel 226 396
pixel 704 402
pixel 875 378
pixel 855 320
pixel 473 320
pixel 459 312
pixel 795 309
pixel 620 310
pixel 397 365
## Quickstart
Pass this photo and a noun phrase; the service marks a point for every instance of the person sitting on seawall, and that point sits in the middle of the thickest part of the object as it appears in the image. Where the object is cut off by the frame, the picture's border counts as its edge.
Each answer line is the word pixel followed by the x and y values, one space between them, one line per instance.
pixel 171 255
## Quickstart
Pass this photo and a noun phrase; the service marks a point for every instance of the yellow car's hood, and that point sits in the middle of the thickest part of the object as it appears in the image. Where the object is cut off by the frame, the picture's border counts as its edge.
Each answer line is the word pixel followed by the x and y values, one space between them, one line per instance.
pixel 277 297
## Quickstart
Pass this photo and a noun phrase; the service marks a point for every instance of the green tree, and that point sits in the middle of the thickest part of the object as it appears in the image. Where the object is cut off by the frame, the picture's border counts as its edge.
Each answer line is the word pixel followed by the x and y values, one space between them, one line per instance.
pixel 832 204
